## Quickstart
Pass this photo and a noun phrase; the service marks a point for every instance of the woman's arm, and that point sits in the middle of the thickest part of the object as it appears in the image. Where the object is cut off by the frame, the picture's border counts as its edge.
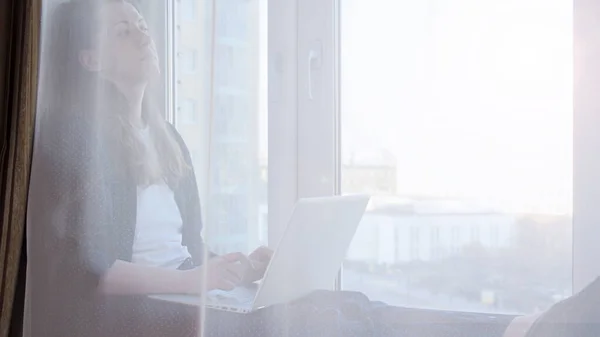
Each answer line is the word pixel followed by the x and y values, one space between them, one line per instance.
pixel 126 278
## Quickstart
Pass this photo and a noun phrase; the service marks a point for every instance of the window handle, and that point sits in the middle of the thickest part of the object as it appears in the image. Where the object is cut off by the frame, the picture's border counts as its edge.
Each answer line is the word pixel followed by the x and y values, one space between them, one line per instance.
pixel 314 62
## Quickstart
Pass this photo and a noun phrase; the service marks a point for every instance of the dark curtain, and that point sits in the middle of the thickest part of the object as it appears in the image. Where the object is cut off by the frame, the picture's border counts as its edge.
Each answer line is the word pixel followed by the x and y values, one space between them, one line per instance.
pixel 19 43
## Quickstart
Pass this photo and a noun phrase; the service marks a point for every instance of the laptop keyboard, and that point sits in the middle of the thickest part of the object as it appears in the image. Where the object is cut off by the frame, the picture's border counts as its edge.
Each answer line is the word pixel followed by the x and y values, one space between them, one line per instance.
pixel 239 296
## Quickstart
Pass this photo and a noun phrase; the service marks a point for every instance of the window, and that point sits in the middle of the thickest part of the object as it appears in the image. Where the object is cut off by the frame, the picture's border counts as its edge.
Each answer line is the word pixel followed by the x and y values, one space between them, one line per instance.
pixel 471 103
pixel 223 121
pixel 454 126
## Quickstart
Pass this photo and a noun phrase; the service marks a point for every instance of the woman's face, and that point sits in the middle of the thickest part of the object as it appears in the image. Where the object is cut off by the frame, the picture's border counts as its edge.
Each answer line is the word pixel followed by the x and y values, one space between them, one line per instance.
pixel 126 53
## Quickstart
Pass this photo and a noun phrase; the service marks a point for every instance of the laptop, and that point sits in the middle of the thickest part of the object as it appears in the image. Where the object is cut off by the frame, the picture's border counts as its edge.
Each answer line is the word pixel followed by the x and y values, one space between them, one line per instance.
pixel 307 257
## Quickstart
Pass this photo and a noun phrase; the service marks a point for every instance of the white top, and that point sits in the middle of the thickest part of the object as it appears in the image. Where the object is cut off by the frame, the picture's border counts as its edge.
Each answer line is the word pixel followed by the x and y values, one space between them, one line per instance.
pixel 158 230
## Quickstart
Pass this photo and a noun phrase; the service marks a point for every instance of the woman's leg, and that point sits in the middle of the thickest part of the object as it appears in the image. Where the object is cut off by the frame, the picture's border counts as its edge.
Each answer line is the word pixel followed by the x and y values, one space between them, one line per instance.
pixel 328 314
pixel 144 317
pixel 140 316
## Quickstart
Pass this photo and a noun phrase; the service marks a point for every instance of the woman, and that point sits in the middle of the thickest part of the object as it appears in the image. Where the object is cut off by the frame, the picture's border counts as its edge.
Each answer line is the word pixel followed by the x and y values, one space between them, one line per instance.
pixel 115 217
pixel 115 213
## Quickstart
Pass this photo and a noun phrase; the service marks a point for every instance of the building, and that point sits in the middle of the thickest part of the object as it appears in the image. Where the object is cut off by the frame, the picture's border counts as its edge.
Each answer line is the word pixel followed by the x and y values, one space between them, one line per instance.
pixel 224 143
pixel 398 230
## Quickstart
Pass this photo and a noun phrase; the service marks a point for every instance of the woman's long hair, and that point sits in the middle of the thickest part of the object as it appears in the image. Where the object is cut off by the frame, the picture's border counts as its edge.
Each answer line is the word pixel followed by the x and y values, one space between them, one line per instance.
pixel 72 94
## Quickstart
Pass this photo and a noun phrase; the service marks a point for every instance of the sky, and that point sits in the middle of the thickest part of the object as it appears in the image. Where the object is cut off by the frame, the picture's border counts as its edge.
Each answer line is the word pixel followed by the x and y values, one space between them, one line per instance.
pixel 473 97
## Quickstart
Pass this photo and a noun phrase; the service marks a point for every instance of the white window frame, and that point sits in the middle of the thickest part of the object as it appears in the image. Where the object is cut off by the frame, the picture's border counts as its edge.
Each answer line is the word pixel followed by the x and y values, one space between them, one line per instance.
pixel 303 161
pixel 283 86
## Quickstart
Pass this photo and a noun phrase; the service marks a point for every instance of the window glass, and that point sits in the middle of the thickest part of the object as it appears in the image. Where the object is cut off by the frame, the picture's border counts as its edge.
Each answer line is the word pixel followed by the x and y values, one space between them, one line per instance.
pixel 457 117
pixel 223 119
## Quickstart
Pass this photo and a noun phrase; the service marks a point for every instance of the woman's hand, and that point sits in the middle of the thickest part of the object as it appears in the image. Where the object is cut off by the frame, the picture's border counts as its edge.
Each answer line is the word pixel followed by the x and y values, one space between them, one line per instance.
pixel 227 272
pixel 223 272
pixel 259 260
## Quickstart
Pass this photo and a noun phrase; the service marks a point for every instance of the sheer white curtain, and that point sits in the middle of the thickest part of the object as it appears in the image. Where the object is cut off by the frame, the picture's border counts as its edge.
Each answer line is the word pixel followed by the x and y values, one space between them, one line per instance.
pixel 149 178
pixel 147 141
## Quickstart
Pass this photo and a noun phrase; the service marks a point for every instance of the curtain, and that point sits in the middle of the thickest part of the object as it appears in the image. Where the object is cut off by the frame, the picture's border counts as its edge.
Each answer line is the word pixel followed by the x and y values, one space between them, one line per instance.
pixel 94 199
pixel 19 41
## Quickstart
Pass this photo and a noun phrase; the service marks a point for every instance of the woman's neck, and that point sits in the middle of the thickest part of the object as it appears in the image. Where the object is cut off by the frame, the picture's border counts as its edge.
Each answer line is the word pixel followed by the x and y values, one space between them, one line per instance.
pixel 134 94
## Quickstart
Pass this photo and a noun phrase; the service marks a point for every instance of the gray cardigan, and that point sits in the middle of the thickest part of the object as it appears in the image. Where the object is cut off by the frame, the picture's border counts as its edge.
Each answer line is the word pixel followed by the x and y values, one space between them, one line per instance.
pixel 83 214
